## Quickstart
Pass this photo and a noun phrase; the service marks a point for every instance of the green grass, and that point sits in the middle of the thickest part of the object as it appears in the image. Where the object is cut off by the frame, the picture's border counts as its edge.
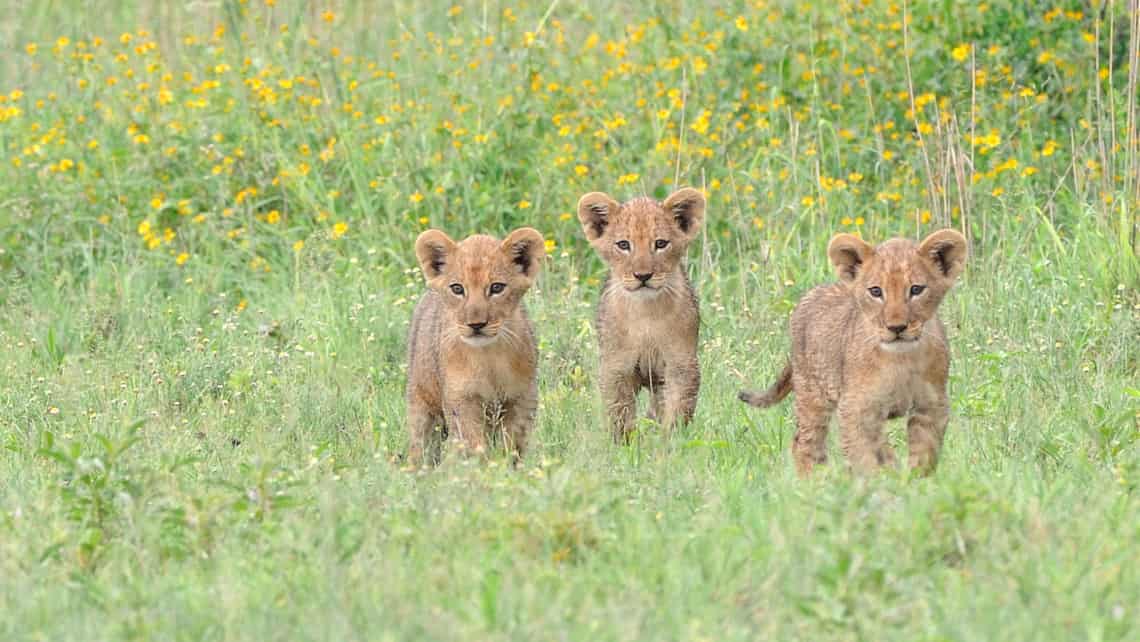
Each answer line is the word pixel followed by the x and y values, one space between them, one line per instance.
pixel 200 429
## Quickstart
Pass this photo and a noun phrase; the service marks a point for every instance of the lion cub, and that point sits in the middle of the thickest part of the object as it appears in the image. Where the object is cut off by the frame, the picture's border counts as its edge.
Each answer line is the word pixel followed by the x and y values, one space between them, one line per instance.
pixel 648 320
pixel 872 348
pixel 472 356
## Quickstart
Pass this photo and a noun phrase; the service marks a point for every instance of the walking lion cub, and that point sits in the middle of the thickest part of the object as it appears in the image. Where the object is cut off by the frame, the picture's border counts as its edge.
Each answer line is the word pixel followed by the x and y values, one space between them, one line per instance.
pixel 872 348
pixel 648 318
pixel 472 357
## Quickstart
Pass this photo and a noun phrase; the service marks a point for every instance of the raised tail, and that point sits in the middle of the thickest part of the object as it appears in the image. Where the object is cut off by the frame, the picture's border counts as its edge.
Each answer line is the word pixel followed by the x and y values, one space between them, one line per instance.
pixel 772 395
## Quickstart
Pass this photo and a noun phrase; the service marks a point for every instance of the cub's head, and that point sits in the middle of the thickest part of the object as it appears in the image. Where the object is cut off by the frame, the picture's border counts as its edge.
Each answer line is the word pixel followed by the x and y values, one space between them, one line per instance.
pixel 480 280
pixel 898 285
pixel 643 241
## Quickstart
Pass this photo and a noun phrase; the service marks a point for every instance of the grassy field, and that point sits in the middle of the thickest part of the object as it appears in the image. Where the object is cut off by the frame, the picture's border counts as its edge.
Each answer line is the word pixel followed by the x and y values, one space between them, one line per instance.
pixel 206 276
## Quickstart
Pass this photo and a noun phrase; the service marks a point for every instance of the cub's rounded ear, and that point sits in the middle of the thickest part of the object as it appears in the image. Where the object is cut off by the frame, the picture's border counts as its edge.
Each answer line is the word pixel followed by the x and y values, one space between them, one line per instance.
pixel 687 207
pixel 433 250
pixel 945 251
pixel 596 211
pixel 526 249
pixel 848 253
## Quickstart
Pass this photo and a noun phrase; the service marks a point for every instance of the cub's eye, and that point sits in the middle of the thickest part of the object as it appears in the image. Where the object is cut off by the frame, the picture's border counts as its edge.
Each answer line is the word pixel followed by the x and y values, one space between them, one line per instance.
pixel 457 289
pixel 623 246
pixel 876 291
pixel 916 290
pixel 497 288
pixel 661 244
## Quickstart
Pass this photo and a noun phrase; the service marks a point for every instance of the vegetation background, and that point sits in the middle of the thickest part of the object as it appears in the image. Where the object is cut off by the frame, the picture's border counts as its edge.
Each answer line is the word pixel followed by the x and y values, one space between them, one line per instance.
pixel 206 219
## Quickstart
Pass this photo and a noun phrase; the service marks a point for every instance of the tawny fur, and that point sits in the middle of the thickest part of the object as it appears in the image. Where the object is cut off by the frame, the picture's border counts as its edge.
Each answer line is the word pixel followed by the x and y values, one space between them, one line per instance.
pixel 647 326
pixel 470 382
pixel 872 358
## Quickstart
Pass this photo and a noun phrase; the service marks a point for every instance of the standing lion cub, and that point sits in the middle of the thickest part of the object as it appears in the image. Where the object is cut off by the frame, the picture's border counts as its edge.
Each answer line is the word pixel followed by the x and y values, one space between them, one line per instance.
pixel 872 348
pixel 648 319
pixel 472 357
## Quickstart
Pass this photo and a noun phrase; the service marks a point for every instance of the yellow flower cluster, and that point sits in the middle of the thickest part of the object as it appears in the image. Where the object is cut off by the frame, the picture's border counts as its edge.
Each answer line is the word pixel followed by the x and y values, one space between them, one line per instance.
pixel 284 130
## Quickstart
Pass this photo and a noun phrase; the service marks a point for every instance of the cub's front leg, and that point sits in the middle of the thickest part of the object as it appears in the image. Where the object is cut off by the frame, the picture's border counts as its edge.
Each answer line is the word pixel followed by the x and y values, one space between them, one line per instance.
pixel 424 436
pixel 619 385
pixel 924 431
pixel 467 421
pixel 682 385
pixel 861 433
pixel 518 422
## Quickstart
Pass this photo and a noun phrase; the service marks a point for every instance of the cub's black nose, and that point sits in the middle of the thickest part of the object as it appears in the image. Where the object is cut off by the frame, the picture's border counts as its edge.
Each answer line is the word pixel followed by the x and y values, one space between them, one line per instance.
pixel 477 327
pixel 644 278
pixel 897 329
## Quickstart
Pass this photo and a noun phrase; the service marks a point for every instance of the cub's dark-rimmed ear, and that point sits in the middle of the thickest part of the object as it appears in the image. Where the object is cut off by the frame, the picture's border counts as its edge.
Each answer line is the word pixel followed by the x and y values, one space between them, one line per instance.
pixel 687 207
pixel 433 250
pixel 848 253
pixel 526 249
pixel 596 211
pixel 945 252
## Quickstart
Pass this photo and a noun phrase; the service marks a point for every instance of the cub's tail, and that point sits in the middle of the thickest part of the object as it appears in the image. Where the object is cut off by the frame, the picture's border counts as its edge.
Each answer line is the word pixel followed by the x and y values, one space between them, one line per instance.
pixel 772 395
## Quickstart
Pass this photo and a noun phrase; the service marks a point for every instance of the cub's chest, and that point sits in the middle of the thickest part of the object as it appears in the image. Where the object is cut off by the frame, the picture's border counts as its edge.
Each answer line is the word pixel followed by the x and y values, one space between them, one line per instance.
pixel 899 386
pixel 490 374
pixel 647 344
pixel 638 341
pixel 646 326
pixel 642 334
pixel 915 393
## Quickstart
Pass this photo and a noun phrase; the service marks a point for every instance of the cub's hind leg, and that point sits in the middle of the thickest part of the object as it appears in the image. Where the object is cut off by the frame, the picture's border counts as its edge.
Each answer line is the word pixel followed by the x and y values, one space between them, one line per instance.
pixel 809 446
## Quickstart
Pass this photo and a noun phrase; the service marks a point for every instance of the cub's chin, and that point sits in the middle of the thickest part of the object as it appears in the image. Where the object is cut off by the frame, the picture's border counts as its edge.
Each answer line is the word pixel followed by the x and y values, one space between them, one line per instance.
pixel 898 345
pixel 643 293
pixel 479 340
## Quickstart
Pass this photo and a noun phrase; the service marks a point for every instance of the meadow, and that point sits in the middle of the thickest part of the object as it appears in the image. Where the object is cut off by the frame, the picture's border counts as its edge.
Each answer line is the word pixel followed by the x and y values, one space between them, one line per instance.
pixel 206 275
